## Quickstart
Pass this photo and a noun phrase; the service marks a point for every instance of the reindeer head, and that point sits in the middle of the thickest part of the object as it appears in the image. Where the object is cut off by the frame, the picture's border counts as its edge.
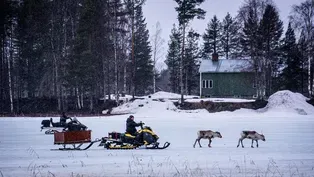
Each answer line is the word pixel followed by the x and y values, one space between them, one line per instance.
pixel 262 137
pixel 217 134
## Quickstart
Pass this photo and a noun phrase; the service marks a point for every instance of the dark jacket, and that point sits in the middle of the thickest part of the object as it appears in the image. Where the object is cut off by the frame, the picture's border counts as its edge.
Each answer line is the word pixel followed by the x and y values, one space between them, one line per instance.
pixel 63 120
pixel 75 126
pixel 130 126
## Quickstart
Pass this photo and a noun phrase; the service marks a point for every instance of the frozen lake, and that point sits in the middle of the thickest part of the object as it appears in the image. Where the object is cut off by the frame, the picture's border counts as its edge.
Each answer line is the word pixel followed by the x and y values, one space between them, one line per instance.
pixel 288 150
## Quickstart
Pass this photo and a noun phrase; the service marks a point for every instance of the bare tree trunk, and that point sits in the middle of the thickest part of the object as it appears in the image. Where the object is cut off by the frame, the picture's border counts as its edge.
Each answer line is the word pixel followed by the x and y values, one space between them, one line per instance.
pixel 133 59
pixel 154 56
pixel 55 66
pixel 115 54
pixel 181 65
pixel 91 108
pixel 79 106
pixel 9 71
pixel 2 73
pixel 104 81
pixel 186 82
pixel 309 77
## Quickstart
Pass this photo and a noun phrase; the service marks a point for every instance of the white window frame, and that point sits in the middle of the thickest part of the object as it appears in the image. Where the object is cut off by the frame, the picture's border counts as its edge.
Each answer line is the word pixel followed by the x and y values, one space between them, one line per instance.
pixel 204 83
pixel 211 83
pixel 207 83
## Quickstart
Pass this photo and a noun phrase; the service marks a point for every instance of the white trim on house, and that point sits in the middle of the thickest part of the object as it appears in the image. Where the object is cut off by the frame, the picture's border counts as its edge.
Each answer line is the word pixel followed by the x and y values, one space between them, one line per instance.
pixel 207 83
pixel 200 84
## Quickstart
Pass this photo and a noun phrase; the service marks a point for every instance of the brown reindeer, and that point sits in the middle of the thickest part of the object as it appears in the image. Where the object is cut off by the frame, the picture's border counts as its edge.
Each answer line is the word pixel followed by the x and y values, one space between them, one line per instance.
pixel 251 135
pixel 206 134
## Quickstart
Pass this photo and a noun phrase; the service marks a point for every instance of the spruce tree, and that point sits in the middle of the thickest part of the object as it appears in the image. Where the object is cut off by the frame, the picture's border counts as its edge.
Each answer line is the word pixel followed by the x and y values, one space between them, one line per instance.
pixel 291 74
pixel 173 59
pixel 270 30
pixel 249 42
pixel 230 37
pixel 212 39
pixel 302 55
pixel 142 54
pixel 192 56
pixel 82 68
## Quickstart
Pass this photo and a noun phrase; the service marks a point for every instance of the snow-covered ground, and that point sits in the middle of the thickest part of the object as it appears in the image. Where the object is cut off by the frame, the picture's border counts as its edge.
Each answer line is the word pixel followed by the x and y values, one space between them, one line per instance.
pixel 288 150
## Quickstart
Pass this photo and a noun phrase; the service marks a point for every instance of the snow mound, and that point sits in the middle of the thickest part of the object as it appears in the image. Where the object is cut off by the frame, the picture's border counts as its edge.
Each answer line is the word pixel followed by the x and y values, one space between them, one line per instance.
pixel 146 105
pixel 287 101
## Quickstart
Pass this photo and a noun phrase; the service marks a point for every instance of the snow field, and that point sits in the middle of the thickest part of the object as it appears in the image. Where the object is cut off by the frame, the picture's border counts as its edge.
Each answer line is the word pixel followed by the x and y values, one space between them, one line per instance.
pixel 288 150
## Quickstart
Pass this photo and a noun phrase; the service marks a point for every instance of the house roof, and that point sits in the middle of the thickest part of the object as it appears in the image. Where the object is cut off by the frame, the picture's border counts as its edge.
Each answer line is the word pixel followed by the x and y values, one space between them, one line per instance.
pixel 226 66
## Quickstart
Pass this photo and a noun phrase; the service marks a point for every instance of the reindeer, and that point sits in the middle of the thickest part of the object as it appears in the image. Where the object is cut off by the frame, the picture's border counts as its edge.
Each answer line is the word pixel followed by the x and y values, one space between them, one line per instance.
pixel 251 135
pixel 206 134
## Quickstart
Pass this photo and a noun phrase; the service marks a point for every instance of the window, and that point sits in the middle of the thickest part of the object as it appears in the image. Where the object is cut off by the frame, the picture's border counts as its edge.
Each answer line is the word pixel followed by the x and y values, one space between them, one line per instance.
pixel 204 83
pixel 207 84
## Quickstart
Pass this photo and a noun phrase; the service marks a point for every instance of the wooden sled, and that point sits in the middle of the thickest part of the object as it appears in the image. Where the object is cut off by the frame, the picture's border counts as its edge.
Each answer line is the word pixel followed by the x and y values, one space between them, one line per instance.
pixel 73 138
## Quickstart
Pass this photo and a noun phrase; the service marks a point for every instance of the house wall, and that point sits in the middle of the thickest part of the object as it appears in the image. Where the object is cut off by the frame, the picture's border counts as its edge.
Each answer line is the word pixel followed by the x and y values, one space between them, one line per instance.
pixel 229 85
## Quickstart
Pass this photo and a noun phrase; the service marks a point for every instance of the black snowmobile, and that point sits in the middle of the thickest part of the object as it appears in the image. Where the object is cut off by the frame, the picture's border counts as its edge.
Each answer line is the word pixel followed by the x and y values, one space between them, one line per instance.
pixel 52 126
pixel 145 138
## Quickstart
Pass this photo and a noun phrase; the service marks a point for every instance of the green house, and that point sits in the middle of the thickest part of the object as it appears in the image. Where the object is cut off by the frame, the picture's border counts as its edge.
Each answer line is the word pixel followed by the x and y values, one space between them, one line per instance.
pixel 227 78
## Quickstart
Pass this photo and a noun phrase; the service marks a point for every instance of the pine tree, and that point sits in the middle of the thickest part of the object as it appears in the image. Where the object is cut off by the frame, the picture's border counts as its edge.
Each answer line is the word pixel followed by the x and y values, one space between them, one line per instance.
pixel 249 42
pixel 302 55
pixel 270 30
pixel 230 37
pixel 33 40
pixel 292 73
pixel 142 54
pixel 302 17
pixel 212 39
pixel 192 56
pixel 187 11
pixel 173 59
pixel 83 65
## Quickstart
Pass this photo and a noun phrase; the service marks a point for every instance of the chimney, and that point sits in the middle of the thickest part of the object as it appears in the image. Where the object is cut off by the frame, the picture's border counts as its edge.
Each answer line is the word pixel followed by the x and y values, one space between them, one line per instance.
pixel 215 56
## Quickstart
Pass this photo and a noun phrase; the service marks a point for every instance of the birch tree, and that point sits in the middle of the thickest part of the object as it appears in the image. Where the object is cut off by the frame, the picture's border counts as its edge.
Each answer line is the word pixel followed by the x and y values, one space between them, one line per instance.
pixel 157 42
pixel 302 19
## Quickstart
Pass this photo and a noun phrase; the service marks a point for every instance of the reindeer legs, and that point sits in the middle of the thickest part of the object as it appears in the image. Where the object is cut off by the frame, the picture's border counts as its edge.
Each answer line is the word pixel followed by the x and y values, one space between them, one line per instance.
pixel 197 140
pixel 210 141
pixel 252 144
pixel 240 140
pixel 195 143
pixel 256 143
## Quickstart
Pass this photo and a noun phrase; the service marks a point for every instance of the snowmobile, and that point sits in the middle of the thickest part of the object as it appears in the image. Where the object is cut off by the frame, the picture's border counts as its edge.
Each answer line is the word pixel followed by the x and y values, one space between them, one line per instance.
pixel 51 127
pixel 145 137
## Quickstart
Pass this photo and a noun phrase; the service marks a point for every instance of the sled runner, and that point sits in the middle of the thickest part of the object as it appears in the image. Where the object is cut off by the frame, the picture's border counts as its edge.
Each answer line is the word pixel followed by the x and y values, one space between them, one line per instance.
pixel 51 130
pixel 50 127
pixel 73 138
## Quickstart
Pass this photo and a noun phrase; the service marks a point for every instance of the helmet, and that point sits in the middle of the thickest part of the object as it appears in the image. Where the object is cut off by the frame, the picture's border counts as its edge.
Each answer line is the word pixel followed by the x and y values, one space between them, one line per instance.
pixel 131 116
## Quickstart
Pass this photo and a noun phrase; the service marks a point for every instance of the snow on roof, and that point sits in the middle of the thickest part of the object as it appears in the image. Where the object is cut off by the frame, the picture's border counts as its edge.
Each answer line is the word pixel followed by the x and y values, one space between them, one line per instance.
pixel 224 65
pixel 287 101
pixel 169 95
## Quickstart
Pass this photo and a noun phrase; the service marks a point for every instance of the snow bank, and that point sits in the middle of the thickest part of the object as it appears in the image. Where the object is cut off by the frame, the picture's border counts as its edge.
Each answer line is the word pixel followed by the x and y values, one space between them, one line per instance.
pixel 143 106
pixel 287 101
pixel 280 103
pixel 229 100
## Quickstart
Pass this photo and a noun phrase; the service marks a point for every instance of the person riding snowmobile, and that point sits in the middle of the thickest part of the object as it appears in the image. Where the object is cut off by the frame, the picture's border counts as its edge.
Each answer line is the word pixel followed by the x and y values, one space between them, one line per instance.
pixel 131 129
pixel 63 119
pixel 75 125
pixel 131 125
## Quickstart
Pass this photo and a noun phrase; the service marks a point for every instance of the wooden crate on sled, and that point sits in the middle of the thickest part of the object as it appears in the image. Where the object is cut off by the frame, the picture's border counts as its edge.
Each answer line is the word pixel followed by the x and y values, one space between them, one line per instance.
pixel 72 137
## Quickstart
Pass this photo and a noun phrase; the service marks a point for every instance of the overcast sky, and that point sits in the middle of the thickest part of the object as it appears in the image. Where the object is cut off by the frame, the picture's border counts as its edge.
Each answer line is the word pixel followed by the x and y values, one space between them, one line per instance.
pixel 164 12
